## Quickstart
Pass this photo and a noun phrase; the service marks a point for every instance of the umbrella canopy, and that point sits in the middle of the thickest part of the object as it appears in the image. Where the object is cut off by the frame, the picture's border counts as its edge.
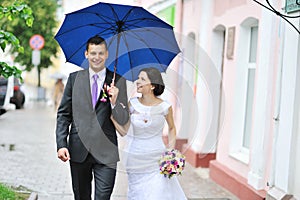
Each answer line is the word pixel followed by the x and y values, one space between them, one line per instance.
pixel 135 38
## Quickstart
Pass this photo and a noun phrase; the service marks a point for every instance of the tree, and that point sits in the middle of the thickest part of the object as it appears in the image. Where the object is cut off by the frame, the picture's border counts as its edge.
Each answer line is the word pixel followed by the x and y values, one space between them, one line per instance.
pixel 16 11
pixel 44 24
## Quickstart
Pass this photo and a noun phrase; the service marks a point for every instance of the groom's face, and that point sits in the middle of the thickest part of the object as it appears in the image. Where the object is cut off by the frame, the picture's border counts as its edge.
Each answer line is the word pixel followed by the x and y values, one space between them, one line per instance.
pixel 97 56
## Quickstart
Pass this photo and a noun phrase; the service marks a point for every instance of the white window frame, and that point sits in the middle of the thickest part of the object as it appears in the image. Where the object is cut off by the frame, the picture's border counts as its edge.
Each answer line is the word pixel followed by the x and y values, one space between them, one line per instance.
pixel 237 149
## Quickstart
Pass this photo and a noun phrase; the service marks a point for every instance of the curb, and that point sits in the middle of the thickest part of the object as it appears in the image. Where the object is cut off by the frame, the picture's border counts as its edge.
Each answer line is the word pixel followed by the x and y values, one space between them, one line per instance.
pixel 33 196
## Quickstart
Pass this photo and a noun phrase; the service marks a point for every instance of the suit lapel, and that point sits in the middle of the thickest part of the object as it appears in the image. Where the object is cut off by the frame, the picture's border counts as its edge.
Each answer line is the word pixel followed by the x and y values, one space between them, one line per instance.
pixel 82 90
pixel 84 81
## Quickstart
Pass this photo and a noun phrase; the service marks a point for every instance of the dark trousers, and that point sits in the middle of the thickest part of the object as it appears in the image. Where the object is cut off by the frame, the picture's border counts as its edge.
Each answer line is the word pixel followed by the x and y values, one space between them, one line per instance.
pixel 82 175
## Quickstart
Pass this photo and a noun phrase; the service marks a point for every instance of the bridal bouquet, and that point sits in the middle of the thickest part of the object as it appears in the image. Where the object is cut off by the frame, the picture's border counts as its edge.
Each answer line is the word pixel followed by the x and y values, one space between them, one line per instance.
pixel 171 163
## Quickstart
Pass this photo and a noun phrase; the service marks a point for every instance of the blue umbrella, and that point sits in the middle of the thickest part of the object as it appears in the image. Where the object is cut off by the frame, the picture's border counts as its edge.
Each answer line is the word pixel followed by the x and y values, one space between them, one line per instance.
pixel 135 38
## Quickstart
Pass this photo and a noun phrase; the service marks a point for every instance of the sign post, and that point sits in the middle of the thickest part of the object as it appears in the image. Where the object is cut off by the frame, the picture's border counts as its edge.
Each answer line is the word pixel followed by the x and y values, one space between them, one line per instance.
pixel 37 42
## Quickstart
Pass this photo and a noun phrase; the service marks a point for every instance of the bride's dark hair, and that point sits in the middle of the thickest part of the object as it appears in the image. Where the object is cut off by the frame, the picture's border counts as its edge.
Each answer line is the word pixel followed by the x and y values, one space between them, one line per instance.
pixel 156 80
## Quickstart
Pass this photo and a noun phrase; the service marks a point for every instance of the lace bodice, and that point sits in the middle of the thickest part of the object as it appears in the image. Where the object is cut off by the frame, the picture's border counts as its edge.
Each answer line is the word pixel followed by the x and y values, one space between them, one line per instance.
pixel 148 121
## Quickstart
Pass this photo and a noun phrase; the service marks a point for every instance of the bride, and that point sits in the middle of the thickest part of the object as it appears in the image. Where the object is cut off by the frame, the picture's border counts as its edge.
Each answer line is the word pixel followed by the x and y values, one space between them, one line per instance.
pixel 148 116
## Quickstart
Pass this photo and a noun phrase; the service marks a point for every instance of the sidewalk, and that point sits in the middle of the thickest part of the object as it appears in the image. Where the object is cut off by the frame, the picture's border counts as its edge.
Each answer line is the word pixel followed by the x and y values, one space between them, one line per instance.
pixel 28 158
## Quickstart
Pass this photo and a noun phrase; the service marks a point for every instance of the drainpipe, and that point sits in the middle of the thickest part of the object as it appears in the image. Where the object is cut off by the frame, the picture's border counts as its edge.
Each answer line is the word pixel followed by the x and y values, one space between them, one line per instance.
pixel 276 116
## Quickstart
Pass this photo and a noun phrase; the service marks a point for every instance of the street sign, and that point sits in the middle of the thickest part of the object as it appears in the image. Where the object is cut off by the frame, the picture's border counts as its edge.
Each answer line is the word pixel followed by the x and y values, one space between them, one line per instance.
pixel 36 57
pixel 37 42
pixel 292 6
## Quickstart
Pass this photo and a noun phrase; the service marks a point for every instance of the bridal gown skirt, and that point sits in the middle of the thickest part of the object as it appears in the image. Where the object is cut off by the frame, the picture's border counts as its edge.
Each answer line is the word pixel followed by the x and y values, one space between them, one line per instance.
pixel 144 179
pixel 145 146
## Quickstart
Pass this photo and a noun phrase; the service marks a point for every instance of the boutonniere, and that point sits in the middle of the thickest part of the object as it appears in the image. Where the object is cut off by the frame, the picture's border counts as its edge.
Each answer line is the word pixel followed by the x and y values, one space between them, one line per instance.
pixel 104 93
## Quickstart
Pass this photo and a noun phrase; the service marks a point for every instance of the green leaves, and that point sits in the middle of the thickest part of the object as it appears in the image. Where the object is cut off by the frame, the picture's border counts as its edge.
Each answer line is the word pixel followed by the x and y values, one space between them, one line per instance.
pixel 9 38
pixel 7 71
pixel 17 10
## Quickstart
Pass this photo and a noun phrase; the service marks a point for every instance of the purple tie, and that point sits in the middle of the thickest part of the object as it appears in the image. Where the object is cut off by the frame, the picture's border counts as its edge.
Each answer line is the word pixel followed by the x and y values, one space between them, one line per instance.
pixel 95 90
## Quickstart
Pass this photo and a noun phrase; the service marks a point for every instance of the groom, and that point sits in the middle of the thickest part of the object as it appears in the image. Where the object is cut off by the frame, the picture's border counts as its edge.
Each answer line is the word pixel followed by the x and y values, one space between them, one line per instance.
pixel 90 144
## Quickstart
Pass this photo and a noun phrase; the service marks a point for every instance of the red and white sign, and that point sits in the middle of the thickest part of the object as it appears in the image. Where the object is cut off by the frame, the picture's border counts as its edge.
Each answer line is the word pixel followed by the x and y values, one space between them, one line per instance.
pixel 37 42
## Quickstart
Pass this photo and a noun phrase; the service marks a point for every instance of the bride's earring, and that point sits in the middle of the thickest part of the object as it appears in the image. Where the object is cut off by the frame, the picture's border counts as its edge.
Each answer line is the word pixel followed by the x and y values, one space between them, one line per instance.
pixel 152 88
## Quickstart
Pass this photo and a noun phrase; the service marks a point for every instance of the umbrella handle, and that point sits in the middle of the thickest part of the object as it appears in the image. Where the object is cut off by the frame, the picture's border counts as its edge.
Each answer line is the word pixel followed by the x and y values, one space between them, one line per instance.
pixel 114 76
pixel 116 61
pixel 113 81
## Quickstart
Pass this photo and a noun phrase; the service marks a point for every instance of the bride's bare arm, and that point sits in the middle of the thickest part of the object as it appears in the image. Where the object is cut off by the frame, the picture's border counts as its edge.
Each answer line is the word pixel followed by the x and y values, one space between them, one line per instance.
pixel 172 129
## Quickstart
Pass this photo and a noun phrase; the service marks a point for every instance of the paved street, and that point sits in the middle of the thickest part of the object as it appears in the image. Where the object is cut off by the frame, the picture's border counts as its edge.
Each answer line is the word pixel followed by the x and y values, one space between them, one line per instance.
pixel 28 159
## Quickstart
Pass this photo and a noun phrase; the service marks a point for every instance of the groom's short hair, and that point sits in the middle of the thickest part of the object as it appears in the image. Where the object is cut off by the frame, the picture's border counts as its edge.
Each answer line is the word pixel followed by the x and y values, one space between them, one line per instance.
pixel 96 40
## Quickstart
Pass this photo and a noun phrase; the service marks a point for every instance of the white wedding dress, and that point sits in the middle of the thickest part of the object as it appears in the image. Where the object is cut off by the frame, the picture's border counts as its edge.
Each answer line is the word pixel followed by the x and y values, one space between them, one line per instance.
pixel 143 153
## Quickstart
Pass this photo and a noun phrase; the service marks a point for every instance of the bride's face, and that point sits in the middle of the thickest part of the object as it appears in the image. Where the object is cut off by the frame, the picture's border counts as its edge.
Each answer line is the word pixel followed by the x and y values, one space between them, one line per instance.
pixel 143 83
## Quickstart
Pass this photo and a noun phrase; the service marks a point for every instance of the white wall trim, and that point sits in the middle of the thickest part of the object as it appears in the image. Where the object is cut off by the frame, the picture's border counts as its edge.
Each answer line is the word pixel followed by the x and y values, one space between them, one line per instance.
pixel 284 141
pixel 262 109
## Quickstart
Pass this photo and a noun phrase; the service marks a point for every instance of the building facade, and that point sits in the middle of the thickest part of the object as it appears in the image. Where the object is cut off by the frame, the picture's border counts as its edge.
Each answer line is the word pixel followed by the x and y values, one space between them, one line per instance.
pixel 241 61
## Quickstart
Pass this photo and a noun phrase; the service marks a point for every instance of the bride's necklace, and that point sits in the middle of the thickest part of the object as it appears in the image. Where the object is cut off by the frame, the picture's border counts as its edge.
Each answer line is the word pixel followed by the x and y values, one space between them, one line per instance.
pixel 153 102
pixel 145 115
pixel 145 120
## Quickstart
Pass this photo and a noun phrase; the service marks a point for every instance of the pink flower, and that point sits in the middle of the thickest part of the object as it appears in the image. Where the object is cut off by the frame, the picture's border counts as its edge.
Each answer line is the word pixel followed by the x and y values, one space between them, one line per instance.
pixel 104 95
pixel 171 163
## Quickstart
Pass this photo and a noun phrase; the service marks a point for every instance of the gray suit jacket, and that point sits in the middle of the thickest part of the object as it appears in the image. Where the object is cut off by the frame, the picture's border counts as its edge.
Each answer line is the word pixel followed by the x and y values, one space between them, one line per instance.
pixel 92 130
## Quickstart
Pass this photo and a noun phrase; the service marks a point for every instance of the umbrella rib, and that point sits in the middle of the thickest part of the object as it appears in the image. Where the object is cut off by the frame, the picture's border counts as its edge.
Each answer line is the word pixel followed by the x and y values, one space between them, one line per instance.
pixel 74 53
pixel 151 50
pixel 149 30
pixel 132 23
pixel 128 52
pixel 103 17
pixel 127 14
pixel 78 27
pixel 155 55
pixel 151 19
pixel 114 12
pixel 146 29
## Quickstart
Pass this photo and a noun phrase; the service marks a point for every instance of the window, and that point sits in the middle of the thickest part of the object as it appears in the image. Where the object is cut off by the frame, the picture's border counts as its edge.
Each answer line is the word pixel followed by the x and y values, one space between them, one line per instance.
pixel 248 110
pixel 250 86
pixel 253 44
pixel 244 91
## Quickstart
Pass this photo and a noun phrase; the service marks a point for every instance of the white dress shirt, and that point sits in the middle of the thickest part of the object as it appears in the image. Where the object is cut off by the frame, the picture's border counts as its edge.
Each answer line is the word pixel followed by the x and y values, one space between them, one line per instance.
pixel 100 80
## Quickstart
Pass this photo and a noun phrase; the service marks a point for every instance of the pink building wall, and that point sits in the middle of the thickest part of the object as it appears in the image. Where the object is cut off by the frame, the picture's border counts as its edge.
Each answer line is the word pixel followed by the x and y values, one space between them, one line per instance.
pixel 246 178
pixel 225 167
pixel 227 16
